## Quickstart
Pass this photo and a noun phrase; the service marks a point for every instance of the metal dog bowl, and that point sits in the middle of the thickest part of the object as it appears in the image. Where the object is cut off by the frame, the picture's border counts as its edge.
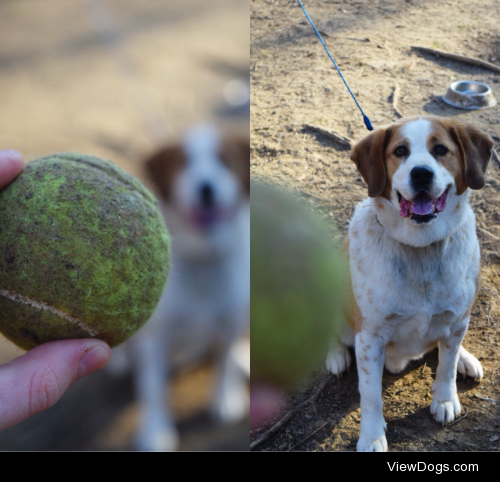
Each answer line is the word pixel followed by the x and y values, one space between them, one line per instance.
pixel 467 94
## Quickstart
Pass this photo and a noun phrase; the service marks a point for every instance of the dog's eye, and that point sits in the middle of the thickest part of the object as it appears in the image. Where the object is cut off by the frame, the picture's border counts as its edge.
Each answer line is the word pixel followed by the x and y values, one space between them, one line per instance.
pixel 440 150
pixel 400 151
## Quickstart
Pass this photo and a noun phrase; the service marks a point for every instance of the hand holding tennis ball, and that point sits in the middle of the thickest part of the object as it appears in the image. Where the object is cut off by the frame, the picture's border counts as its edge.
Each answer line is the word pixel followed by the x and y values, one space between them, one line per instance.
pixel 298 286
pixel 26 385
pixel 84 252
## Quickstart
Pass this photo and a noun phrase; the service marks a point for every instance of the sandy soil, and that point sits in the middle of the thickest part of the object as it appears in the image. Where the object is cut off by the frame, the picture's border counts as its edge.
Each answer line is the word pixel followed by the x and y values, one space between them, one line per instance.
pixel 294 85
pixel 61 90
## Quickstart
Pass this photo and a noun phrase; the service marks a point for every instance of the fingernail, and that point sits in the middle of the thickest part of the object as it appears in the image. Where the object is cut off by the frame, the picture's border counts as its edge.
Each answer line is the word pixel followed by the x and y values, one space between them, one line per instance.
pixel 95 358
pixel 11 154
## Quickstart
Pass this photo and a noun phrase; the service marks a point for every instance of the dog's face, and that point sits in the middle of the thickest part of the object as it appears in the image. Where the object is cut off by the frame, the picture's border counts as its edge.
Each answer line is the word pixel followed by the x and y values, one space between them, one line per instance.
pixel 423 165
pixel 204 179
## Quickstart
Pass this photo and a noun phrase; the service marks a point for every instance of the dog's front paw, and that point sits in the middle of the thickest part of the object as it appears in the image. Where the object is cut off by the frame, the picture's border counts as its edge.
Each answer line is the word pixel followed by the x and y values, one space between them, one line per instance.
pixel 156 434
pixel 338 359
pixel 445 411
pixel 372 445
pixel 119 365
pixel 468 365
pixel 372 439
pixel 231 404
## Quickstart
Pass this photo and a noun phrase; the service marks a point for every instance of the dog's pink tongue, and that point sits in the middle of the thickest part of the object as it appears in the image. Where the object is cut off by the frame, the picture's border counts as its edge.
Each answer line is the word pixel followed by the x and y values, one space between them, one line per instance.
pixel 440 202
pixel 422 204
pixel 405 208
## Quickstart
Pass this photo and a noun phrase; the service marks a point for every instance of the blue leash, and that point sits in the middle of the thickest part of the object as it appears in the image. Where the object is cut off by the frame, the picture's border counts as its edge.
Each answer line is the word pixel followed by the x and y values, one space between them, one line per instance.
pixel 367 122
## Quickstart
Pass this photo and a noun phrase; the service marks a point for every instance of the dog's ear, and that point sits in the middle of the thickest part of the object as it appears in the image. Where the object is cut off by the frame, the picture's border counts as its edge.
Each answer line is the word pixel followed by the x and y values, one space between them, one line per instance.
pixel 162 166
pixel 235 153
pixel 475 147
pixel 369 156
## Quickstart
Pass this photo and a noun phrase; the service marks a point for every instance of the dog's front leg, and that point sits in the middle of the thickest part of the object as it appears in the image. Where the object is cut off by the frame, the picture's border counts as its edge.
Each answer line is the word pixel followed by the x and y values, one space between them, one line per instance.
pixel 230 400
pixel 156 431
pixel 445 405
pixel 370 353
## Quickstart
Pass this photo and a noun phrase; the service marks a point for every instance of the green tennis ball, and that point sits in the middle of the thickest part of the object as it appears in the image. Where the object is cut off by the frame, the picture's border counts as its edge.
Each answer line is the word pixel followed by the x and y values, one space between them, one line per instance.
pixel 84 252
pixel 298 282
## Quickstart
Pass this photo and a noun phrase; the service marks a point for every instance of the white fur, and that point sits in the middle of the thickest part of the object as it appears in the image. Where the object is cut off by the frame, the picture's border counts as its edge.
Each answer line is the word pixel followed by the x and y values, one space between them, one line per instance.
pixel 413 285
pixel 205 305
pixel 338 359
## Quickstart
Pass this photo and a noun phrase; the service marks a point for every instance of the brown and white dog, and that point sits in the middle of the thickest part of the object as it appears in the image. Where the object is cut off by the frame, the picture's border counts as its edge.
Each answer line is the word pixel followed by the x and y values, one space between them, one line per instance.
pixel 414 259
pixel 204 184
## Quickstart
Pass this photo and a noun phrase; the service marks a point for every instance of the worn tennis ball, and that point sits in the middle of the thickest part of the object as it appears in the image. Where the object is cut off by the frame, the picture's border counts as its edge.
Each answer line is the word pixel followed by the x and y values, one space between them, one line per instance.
pixel 84 252
pixel 298 287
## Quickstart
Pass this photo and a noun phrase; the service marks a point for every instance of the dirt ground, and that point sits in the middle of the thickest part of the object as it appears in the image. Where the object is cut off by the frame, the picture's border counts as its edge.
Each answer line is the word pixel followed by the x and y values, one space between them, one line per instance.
pixel 294 85
pixel 62 89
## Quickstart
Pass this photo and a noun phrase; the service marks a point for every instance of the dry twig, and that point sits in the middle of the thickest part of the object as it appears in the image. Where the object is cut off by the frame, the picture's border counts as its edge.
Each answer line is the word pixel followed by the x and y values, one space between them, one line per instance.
pixel 459 58
pixel 310 435
pixel 460 419
pixel 487 233
pixel 366 39
pixel 486 399
pixel 438 98
pixel 394 98
pixel 495 156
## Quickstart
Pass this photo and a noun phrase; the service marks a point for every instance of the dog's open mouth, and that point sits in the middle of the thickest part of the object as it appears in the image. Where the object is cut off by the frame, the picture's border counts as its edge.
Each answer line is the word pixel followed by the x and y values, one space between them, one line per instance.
pixel 422 208
pixel 206 218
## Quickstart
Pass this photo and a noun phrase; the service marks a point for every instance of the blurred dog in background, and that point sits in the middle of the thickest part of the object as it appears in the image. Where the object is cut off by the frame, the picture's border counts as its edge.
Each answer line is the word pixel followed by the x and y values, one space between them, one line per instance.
pixel 204 185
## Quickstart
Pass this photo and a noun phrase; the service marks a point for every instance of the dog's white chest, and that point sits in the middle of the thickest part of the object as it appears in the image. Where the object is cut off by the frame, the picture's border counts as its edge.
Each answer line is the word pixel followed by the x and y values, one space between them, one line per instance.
pixel 411 296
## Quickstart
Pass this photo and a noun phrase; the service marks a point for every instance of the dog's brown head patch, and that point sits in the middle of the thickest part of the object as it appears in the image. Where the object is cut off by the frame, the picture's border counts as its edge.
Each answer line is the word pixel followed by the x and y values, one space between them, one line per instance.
pixel 162 167
pixel 235 154
pixel 369 155
pixel 475 147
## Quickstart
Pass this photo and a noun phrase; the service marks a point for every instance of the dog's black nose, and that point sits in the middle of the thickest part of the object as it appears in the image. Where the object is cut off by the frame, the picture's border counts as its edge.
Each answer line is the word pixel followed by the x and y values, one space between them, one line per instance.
pixel 207 195
pixel 421 177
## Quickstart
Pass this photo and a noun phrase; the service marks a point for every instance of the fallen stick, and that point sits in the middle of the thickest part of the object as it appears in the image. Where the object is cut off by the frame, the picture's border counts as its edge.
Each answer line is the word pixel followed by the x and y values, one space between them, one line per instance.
pixel 461 418
pixel 310 435
pixel 486 399
pixel 283 421
pixel 366 39
pixel 438 98
pixel 332 135
pixel 487 233
pixel 346 38
pixel 495 156
pixel 459 58
pixel 394 97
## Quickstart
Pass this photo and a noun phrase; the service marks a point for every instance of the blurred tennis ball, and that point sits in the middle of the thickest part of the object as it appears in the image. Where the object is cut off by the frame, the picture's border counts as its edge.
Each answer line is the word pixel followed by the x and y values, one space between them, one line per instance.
pixel 298 287
pixel 84 252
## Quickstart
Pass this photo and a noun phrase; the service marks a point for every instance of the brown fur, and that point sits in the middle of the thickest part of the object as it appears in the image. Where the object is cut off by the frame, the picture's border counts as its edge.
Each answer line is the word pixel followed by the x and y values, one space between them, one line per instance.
pixel 475 149
pixel 478 286
pixel 162 167
pixel 353 314
pixel 235 153
pixel 369 157
pixel 467 159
